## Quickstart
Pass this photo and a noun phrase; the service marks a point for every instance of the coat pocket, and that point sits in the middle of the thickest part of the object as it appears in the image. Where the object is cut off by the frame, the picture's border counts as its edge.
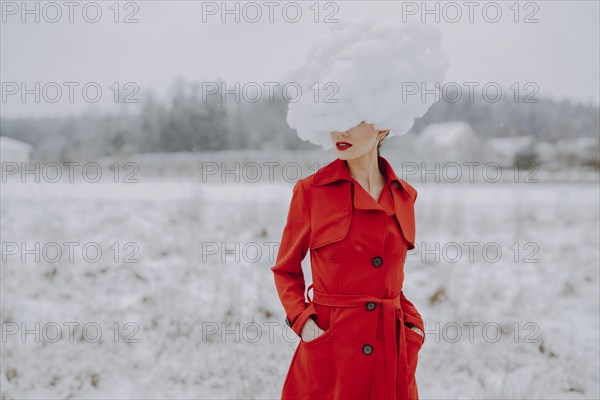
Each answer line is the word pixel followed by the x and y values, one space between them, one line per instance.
pixel 414 343
pixel 313 371
pixel 310 373
pixel 324 322
pixel 414 336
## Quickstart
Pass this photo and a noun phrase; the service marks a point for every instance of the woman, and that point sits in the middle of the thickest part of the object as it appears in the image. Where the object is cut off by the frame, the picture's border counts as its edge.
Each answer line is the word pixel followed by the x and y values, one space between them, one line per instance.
pixel 360 336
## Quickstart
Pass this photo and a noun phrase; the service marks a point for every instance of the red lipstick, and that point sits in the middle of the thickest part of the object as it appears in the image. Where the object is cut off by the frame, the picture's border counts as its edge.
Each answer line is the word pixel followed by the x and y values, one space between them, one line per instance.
pixel 343 145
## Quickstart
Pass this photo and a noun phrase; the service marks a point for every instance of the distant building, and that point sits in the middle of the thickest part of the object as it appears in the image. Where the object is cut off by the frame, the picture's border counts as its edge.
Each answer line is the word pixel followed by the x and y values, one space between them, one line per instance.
pixel 451 141
pixel 12 150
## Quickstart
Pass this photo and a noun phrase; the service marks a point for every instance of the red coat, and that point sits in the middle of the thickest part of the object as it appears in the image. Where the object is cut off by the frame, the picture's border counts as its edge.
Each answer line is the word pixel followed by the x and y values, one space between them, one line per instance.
pixel 358 248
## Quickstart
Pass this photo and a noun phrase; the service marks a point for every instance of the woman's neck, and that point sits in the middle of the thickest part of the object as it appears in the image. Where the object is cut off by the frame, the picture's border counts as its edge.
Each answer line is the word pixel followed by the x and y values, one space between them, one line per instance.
pixel 365 170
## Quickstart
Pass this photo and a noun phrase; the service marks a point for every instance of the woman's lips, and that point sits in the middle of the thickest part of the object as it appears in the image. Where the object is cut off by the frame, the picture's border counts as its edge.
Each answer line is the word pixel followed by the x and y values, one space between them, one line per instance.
pixel 343 145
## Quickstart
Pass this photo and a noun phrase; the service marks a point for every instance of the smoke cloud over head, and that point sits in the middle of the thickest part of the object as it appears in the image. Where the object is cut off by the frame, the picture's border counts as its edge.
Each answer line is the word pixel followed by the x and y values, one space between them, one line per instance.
pixel 359 71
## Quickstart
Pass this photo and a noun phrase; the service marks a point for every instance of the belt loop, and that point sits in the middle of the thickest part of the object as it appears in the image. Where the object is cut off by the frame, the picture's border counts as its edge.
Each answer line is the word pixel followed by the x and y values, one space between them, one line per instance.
pixel 307 295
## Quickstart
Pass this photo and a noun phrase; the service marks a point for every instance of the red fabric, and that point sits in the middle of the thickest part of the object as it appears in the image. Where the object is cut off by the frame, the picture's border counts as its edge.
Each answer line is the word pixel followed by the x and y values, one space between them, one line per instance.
pixel 345 229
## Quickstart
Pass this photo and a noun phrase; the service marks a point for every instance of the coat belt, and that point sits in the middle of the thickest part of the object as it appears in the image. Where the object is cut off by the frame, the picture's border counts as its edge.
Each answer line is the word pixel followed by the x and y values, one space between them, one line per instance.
pixel 397 371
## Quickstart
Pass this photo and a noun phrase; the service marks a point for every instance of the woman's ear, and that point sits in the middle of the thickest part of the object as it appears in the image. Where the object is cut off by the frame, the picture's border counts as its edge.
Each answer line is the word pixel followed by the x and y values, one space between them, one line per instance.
pixel 387 131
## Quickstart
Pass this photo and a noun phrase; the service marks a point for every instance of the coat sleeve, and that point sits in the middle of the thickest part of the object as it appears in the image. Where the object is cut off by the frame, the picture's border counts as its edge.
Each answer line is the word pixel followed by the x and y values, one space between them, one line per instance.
pixel 288 275
pixel 411 314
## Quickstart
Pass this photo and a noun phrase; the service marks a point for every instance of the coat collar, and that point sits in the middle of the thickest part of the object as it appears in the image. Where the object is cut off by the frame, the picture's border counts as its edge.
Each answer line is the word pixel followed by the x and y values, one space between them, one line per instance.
pixel 402 196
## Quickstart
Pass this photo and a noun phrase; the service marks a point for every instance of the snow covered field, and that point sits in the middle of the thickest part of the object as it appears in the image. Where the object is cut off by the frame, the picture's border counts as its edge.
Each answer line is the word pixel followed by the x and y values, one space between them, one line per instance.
pixel 170 277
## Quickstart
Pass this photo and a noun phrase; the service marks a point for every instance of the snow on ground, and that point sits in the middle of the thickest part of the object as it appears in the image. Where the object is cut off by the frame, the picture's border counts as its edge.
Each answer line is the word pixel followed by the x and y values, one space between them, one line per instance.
pixel 172 297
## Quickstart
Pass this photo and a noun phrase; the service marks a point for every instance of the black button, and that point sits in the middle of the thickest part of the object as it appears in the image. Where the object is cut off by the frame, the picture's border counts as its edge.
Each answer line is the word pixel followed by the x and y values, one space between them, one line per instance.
pixel 287 321
pixel 377 261
pixel 367 349
pixel 370 306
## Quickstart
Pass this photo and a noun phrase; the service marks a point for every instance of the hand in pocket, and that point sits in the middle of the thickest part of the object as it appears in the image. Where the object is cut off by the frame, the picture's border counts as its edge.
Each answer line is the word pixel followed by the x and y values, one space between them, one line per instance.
pixel 415 329
pixel 311 331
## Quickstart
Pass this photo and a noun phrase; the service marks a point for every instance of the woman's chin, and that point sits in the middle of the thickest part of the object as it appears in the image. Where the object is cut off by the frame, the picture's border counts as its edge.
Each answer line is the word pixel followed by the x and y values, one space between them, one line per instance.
pixel 344 154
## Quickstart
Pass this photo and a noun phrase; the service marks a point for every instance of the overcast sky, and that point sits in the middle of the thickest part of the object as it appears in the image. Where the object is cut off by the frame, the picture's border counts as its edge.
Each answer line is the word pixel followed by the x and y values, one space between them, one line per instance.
pixel 559 52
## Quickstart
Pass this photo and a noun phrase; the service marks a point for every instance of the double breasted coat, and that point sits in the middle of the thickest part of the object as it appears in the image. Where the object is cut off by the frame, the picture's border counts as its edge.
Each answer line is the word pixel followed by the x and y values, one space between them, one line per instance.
pixel 358 247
